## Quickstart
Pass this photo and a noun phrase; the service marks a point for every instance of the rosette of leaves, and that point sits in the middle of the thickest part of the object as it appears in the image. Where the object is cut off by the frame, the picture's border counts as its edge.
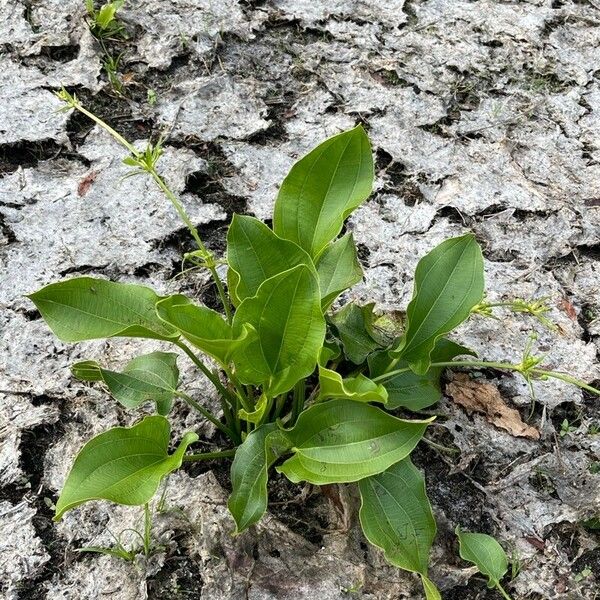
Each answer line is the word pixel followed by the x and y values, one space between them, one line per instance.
pixel 305 388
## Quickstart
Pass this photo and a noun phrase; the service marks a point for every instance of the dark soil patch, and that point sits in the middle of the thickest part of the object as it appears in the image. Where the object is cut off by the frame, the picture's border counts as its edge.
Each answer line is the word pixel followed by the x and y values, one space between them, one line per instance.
pixel 114 110
pixel 27 154
pixel 35 442
pixel 179 579
pixel 453 494
pixel 302 508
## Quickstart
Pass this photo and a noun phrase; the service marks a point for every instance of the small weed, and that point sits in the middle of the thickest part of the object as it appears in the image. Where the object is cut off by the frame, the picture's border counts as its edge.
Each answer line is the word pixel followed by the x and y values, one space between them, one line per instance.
pixel 103 22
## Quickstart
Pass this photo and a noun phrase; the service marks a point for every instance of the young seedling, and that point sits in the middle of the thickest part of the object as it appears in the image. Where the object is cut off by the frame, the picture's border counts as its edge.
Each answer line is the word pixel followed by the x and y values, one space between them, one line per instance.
pixel 111 67
pixel 106 27
pixel 103 22
pixel 302 385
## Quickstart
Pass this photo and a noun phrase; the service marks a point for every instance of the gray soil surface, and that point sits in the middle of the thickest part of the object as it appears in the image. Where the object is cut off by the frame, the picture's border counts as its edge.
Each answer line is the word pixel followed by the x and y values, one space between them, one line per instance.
pixel 485 117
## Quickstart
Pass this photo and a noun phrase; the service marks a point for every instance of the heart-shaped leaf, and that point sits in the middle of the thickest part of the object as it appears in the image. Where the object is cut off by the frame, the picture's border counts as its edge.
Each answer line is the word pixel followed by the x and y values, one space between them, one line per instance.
pixel 86 308
pixel 123 465
pixel 338 269
pixel 249 474
pixel 286 314
pixel 153 376
pixel 359 388
pixel 340 441
pixel 203 327
pixel 448 284
pixel 255 254
pixel 322 189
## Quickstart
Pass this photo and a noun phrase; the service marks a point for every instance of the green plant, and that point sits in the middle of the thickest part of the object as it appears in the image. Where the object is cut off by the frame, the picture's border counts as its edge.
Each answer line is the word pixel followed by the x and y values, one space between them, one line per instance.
pixel 565 428
pixel 302 387
pixel 583 574
pixel 120 551
pixel 103 22
pixel 111 67
pixel 152 97
pixel 487 555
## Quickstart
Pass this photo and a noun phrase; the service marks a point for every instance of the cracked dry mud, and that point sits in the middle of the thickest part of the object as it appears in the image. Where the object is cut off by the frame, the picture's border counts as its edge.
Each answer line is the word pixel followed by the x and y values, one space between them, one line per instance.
pixel 484 115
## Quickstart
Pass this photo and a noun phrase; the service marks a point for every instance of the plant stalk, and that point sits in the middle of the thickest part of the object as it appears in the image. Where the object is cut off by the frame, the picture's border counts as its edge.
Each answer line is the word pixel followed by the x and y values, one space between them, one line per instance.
pixel 209 455
pixel 147 529
pixel 208 415
pixel 150 168
pixel 503 592
pixel 299 399
pixel 535 372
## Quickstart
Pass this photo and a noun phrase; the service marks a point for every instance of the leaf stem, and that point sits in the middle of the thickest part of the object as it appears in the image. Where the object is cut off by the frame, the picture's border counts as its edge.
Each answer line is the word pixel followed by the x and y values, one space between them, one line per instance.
pixel 147 529
pixel 209 455
pixel 208 415
pixel 209 374
pixel 520 368
pixel 502 591
pixel 117 136
pixel 299 399
pixel 150 168
pixel 568 379
pixel 209 260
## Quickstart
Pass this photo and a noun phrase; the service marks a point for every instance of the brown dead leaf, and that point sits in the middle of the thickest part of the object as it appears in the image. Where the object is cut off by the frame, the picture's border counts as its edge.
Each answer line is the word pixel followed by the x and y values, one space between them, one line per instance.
pixel 569 309
pixel 86 182
pixel 485 398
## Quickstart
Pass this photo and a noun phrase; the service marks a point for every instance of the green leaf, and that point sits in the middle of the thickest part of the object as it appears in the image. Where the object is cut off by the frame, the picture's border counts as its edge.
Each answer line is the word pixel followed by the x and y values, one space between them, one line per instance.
pixel 153 376
pixel 322 189
pixel 255 254
pixel 106 15
pixel 340 441
pixel 338 269
pixel 356 329
pixel 485 552
pixel 396 516
pixel 123 465
pixel 330 351
pixel 286 314
pixel 431 591
pixel 249 474
pixel 359 388
pixel 409 389
pixel 448 284
pixel 86 308
pixel 256 416
pixel 203 327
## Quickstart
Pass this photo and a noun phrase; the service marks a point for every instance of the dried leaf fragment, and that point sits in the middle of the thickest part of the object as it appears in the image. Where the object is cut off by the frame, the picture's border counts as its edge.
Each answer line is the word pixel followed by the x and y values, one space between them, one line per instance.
pixel 485 398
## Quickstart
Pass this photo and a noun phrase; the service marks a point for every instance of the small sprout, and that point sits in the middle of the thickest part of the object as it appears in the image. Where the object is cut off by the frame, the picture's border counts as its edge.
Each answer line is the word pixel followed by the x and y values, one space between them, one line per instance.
pixel 152 97
pixel 594 428
pixel 583 574
pixel 593 523
pixel 103 23
pixel 111 67
pixel 515 564
pixel 70 100
pixel 353 588
pixel 565 428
